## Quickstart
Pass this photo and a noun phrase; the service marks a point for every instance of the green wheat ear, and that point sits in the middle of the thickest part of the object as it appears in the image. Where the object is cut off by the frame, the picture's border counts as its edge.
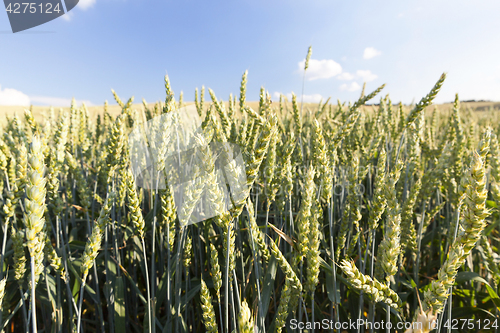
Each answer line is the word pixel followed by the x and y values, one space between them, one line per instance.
pixel 93 245
pixel 390 246
pixel 308 57
pixel 35 205
pixel 245 319
pixel 208 309
pixel 305 214
pixel 313 253
pixel 283 308
pixel 215 270
pixel 19 255
pixel 256 233
pixel 372 287
pixel 133 203
pixel 3 283
pixel 470 229
pixel 425 101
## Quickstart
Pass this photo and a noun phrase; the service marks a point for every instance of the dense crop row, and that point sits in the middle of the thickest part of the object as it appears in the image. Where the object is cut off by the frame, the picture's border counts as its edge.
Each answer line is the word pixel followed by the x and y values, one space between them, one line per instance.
pixel 346 212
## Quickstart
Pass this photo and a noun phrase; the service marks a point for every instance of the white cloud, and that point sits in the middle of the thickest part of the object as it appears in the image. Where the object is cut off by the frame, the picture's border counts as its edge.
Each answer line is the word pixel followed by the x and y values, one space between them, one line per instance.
pixel 15 97
pixel 10 96
pixel 366 75
pixel 86 4
pixel 371 52
pixel 83 5
pixel 353 86
pixel 57 101
pixel 320 69
pixel 68 16
pixel 314 98
pixel 346 76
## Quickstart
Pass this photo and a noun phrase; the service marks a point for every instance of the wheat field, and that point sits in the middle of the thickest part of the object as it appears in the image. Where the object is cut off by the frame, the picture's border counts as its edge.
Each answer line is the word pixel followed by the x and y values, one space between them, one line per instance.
pixel 381 213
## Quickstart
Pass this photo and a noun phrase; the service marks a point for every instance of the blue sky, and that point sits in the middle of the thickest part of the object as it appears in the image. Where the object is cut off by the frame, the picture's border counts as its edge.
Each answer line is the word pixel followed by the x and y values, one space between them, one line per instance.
pixel 129 45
